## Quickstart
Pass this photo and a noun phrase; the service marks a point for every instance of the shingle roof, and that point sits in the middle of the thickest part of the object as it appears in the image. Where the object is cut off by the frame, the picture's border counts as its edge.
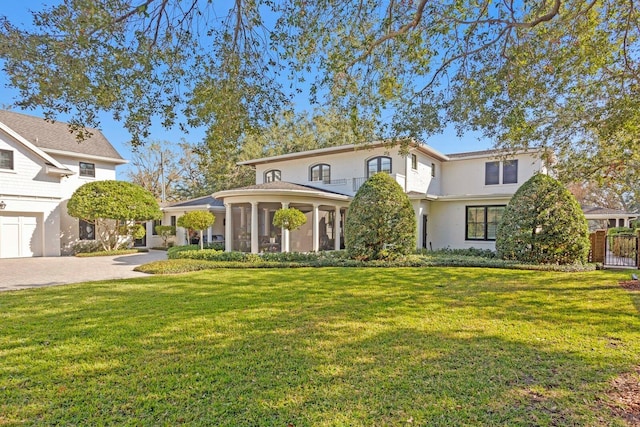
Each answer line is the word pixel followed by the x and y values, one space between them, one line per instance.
pixel 200 201
pixel 283 185
pixel 56 136
pixel 596 210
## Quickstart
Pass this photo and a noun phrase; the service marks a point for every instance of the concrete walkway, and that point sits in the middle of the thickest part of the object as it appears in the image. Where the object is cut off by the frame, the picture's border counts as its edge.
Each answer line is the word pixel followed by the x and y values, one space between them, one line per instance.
pixel 23 273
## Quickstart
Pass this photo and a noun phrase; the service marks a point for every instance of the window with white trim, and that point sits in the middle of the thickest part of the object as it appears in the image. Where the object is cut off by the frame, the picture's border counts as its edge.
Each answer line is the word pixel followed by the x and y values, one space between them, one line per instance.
pixel 87 169
pixel 6 159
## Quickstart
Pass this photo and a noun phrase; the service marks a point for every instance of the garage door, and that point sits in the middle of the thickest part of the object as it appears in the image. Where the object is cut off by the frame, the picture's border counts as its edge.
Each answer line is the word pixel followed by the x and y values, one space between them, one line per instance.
pixel 20 236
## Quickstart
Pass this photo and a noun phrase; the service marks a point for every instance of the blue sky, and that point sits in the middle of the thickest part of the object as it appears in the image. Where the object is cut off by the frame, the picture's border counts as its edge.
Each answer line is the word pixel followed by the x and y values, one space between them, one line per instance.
pixel 18 13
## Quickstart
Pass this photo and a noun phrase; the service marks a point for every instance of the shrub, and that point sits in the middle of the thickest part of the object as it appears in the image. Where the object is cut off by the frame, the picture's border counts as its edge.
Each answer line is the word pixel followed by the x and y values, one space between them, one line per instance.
pixel 289 218
pixel 165 231
pixel 197 220
pixel 543 224
pixel 381 223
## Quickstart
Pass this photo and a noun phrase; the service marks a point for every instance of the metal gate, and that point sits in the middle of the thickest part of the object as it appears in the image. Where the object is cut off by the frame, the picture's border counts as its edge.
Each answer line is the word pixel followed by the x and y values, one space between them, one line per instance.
pixel 621 251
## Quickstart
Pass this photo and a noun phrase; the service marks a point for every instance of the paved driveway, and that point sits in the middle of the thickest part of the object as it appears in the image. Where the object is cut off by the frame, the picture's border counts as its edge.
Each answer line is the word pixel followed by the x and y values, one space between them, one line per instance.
pixel 22 273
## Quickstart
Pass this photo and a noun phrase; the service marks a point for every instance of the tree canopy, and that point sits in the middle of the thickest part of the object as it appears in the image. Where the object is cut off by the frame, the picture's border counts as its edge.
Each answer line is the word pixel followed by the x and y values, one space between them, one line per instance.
pixel 197 220
pixel 541 73
pixel 543 223
pixel 108 203
pixel 381 222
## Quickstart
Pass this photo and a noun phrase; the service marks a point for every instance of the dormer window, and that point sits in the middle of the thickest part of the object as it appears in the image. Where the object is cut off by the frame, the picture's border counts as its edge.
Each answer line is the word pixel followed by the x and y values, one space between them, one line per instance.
pixel 272 175
pixel 87 170
pixel 6 159
pixel 321 172
pixel 378 164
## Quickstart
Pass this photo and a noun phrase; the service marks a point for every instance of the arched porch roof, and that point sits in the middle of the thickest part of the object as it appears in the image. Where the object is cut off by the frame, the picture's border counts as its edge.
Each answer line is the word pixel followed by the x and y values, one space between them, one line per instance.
pixel 280 191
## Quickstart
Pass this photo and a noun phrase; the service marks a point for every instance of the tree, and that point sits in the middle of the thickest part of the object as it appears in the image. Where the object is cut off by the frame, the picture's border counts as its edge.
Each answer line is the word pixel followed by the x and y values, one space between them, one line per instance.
pixel 381 222
pixel 165 231
pixel 107 204
pixel 155 165
pixel 549 73
pixel 543 223
pixel 197 220
pixel 289 219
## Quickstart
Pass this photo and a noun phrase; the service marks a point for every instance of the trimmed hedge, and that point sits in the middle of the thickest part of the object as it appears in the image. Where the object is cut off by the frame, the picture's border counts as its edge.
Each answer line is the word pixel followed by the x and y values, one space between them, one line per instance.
pixel 381 223
pixel 187 259
pixel 543 224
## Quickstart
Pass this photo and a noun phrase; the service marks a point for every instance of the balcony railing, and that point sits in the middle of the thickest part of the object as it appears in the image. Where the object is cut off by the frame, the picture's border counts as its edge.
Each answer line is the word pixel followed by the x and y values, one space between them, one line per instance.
pixel 355 183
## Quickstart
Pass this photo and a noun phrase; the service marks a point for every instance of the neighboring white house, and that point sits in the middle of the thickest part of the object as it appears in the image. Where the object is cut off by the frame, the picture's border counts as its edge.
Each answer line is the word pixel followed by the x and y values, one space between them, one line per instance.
pixel 41 165
pixel 458 199
pixel 602 218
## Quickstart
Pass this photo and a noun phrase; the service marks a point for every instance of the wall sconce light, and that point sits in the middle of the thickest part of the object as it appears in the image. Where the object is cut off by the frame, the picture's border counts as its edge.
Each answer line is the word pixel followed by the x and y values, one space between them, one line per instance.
pixel 2 205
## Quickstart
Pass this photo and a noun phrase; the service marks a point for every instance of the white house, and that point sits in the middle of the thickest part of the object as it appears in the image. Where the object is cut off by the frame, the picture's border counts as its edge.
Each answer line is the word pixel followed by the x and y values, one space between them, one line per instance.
pixel 458 199
pixel 41 165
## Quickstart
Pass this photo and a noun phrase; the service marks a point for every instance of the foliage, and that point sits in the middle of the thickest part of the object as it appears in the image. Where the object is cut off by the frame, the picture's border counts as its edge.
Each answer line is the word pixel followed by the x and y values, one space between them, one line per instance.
pixel 107 203
pixel 446 258
pixel 109 253
pixel 197 220
pixel 622 241
pixel 543 223
pixel 381 223
pixel 162 162
pixel 392 68
pixel 289 218
pixel 165 231
pixel 134 231
pixel 374 347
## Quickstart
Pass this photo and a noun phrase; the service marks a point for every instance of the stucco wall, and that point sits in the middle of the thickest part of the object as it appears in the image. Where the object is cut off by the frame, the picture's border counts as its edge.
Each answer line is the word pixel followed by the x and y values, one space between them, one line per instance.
pixel 467 175
pixel 447 222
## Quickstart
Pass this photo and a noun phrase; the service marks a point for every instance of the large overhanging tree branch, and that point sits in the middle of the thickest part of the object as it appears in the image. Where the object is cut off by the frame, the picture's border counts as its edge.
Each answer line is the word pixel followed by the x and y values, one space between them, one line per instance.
pixel 563 74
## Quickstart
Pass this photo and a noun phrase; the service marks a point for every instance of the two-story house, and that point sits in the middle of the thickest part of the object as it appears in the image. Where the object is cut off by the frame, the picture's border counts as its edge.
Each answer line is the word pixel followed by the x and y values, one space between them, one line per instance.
pixel 458 199
pixel 41 165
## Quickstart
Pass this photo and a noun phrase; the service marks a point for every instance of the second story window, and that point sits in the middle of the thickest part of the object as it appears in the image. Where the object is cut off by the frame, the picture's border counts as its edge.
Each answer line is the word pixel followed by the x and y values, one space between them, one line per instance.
pixel 378 164
pixel 510 172
pixel 87 169
pixel 272 175
pixel 492 173
pixel 321 172
pixel 6 159
pixel 433 170
pixel 414 162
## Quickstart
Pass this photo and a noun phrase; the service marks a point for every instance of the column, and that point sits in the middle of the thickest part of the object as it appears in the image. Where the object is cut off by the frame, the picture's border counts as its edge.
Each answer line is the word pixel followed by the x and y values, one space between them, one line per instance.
pixel 336 228
pixel 228 228
pixel 315 234
pixel 285 233
pixel 266 223
pixel 255 233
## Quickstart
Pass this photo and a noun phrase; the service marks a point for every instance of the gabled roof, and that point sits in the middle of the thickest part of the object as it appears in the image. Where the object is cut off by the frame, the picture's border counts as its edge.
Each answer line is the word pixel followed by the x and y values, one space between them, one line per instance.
pixel 55 138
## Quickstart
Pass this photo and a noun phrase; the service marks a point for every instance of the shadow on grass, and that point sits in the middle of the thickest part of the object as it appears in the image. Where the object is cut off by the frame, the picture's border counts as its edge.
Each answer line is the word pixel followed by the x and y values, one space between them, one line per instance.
pixel 318 347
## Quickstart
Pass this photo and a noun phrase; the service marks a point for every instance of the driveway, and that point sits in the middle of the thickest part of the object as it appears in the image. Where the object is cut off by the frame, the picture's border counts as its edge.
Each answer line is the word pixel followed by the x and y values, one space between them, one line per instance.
pixel 23 273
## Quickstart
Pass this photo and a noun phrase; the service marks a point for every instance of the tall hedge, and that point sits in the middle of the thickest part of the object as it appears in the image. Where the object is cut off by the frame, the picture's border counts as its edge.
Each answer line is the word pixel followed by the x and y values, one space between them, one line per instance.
pixel 543 223
pixel 380 222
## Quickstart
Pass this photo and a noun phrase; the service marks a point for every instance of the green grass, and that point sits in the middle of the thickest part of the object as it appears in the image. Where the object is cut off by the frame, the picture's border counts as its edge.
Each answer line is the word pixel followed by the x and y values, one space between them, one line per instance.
pixel 320 347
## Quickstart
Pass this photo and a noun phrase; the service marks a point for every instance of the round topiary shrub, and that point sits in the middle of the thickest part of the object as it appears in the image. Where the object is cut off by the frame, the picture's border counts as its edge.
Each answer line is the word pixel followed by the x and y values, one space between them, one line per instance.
pixel 544 224
pixel 380 223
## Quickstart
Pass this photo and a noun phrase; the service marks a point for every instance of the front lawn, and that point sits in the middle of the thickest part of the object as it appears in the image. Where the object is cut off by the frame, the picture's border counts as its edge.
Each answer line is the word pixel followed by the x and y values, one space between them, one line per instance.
pixel 321 347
